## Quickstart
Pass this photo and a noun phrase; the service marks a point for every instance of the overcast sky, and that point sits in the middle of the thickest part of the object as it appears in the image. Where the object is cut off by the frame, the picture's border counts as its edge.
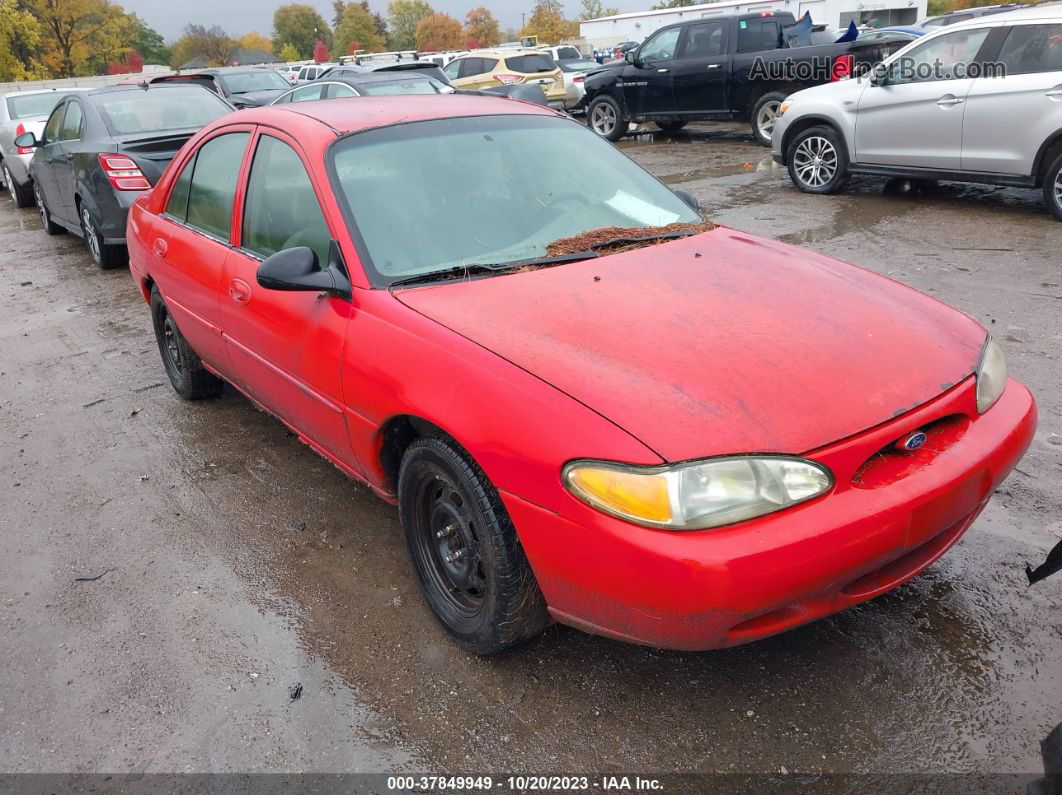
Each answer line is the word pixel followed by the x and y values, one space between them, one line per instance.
pixel 242 16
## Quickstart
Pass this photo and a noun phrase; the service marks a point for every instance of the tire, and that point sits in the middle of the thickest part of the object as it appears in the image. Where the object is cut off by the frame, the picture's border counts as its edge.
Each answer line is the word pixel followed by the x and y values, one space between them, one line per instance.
pixel 606 119
pixel 823 166
pixel 763 115
pixel 671 126
pixel 185 369
pixel 50 226
pixel 106 257
pixel 1053 187
pixel 467 558
pixel 21 195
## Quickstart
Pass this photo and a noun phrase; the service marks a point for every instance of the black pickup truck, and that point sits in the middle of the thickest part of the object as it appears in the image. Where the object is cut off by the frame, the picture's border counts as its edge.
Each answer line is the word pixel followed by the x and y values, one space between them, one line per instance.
pixel 727 67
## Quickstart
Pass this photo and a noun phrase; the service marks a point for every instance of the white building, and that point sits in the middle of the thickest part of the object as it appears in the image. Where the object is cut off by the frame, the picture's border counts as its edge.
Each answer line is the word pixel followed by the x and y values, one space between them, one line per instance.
pixel 636 26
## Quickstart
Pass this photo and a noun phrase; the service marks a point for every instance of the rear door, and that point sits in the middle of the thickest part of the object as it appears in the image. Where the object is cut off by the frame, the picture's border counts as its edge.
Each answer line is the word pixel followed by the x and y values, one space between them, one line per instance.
pixel 648 84
pixel 70 133
pixel 192 239
pixel 916 118
pixel 285 348
pixel 1028 95
pixel 700 71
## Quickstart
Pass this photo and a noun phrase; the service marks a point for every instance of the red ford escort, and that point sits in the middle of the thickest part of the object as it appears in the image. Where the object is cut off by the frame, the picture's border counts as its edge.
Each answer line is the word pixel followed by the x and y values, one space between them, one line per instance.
pixel 588 404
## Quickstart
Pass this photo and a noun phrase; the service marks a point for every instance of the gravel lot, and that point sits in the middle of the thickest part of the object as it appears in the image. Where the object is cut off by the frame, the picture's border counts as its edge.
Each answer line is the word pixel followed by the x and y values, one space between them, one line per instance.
pixel 238 562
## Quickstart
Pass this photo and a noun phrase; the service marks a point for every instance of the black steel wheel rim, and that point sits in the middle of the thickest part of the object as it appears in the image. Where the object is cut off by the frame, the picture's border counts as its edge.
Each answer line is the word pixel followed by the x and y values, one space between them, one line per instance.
pixel 447 546
pixel 171 350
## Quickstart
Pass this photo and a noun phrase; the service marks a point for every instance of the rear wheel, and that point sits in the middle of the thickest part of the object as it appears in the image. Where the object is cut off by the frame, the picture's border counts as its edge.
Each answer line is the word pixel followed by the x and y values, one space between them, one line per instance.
pixel 765 114
pixel 1053 187
pixel 465 552
pixel 21 195
pixel 817 161
pixel 50 226
pixel 606 119
pixel 105 256
pixel 185 369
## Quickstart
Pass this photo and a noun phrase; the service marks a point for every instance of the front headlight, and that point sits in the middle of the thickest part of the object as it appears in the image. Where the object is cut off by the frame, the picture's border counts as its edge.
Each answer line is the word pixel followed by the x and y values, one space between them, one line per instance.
pixel 697 495
pixel 991 376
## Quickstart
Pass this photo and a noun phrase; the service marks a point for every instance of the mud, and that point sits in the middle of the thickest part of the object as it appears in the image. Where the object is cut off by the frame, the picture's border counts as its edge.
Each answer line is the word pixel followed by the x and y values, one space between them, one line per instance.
pixel 241 563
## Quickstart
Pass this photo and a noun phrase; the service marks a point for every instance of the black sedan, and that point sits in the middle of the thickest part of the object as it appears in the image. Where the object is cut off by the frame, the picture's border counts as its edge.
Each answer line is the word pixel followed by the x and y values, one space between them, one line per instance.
pixel 102 149
pixel 244 87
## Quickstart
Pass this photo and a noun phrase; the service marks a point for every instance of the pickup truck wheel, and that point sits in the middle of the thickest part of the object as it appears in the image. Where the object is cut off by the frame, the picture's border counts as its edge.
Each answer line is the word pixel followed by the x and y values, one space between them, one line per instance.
pixel 1053 187
pixel 606 119
pixel 764 114
pixel 817 161
pixel 21 195
pixel 189 378
pixel 671 126
pixel 50 226
pixel 467 558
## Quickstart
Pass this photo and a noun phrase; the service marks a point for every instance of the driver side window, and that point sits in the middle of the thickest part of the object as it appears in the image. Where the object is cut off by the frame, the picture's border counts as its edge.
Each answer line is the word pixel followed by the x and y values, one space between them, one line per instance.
pixel 55 121
pixel 947 57
pixel 661 47
pixel 281 210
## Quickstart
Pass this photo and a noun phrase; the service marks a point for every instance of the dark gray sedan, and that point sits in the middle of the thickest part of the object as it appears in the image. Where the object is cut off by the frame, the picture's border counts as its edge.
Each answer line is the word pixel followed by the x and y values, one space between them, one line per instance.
pixel 102 149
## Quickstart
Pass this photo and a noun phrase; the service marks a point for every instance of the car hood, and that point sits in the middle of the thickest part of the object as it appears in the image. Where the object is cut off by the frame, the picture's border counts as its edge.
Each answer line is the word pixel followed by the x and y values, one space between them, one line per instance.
pixel 721 343
pixel 252 99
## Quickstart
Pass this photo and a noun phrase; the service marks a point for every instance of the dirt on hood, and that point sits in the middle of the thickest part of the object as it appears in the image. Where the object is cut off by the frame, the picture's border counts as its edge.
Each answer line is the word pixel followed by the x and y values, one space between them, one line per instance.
pixel 615 239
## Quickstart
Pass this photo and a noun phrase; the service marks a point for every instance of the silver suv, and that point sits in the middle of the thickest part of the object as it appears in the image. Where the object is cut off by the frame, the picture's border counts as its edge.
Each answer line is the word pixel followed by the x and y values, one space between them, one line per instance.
pixel 929 112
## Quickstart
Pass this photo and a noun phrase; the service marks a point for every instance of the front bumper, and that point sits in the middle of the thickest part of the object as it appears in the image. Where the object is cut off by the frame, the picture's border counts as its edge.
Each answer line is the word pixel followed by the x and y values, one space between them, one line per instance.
pixel 711 589
pixel 780 126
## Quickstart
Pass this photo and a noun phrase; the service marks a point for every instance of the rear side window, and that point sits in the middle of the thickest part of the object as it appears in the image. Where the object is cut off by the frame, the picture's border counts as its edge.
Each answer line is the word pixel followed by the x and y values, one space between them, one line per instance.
pixel 704 40
pixel 308 94
pixel 758 35
pixel 1032 48
pixel 72 122
pixel 213 184
pixel 281 210
pixel 530 64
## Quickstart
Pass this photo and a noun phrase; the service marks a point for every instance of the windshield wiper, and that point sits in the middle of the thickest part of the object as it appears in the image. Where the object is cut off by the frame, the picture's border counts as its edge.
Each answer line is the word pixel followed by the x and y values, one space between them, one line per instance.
pixel 624 240
pixel 479 268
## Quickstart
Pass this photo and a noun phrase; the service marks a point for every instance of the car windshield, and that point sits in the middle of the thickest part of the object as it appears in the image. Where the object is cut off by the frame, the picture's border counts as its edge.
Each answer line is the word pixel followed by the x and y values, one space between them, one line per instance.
pixel 160 109
pixel 253 81
pixel 487 190
pixel 379 88
pixel 30 105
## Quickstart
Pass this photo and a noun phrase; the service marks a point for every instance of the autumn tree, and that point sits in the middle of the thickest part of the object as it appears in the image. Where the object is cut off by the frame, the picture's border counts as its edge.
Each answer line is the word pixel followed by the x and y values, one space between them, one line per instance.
pixel 594 9
pixel 481 28
pixel 548 23
pixel 288 53
pixel 212 45
pixel 439 32
pixel 131 64
pixel 254 41
pixel 300 26
pixel 149 42
pixel 20 38
pixel 403 16
pixel 358 30
pixel 81 36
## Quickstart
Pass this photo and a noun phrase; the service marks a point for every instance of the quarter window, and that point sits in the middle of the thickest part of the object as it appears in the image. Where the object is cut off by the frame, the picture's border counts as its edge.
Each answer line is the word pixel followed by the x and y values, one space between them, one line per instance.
pixel 661 47
pixel 281 210
pixel 213 184
pixel 1032 48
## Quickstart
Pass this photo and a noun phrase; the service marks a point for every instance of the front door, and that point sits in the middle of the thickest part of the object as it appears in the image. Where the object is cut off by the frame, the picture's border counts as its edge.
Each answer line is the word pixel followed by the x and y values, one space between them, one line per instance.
pixel 285 348
pixel 44 159
pixel 648 82
pixel 916 117
pixel 700 71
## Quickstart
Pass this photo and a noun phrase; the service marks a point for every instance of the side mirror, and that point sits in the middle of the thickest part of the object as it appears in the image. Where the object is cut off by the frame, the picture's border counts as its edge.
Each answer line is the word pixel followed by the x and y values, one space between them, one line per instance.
pixel 879 76
pixel 688 197
pixel 631 57
pixel 297 269
pixel 27 140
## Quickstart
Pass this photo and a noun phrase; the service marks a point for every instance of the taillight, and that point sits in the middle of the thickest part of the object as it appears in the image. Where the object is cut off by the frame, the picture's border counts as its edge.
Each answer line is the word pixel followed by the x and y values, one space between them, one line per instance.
pixel 579 78
pixel 22 150
pixel 843 66
pixel 508 79
pixel 123 173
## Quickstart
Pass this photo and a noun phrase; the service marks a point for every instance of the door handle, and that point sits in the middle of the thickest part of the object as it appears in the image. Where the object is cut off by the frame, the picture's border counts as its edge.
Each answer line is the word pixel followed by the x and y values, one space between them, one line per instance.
pixel 240 292
pixel 946 102
pixel 714 65
pixel 159 247
pixel 1054 93
pixel 662 71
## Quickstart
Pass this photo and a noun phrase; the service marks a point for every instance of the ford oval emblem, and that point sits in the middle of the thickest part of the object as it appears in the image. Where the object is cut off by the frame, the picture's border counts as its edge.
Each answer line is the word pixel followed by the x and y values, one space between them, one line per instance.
pixel 913 441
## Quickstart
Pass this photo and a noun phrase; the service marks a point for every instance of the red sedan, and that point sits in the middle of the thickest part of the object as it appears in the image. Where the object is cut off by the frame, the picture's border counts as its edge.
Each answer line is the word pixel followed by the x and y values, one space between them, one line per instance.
pixel 588 404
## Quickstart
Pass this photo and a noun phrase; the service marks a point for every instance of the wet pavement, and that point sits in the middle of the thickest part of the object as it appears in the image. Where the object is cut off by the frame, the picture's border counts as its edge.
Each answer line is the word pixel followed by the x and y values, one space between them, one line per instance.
pixel 239 563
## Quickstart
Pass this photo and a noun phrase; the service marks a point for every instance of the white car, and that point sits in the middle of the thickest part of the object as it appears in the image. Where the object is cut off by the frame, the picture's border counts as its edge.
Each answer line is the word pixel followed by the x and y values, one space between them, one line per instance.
pixel 978 101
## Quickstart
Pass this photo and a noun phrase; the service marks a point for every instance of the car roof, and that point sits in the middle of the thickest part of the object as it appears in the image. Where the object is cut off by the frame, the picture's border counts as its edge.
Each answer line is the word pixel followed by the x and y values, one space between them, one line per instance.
pixel 167 86
pixel 57 89
pixel 502 52
pixel 370 112
pixel 1049 12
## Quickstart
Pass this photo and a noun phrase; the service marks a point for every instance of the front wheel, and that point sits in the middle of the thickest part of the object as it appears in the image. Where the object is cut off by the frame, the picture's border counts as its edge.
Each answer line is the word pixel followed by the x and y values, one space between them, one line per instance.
pixel 765 114
pixel 50 226
pixel 1053 187
pixel 606 119
pixel 817 161
pixel 464 550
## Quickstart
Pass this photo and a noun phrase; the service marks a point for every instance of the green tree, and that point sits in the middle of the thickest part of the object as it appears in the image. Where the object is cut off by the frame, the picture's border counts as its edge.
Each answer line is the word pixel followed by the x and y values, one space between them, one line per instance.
pixel 593 9
pixel 439 32
pixel 21 34
pixel 149 42
pixel 302 27
pixel 481 28
pixel 358 30
pixel 212 45
pixel 403 16
pixel 288 53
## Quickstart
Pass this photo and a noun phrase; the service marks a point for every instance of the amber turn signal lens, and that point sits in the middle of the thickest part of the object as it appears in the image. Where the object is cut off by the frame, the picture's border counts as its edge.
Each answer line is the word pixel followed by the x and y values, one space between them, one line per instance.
pixel 626 494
